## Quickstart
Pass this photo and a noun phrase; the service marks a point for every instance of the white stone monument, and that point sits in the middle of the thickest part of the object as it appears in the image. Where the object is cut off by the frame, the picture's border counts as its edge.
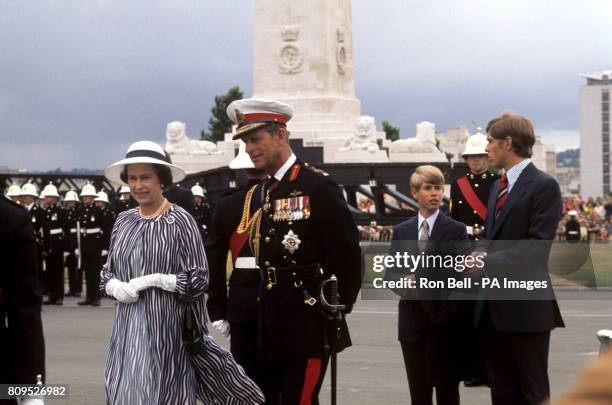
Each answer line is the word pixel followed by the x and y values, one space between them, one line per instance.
pixel 421 148
pixel 362 145
pixel 194 155
pixel 303 55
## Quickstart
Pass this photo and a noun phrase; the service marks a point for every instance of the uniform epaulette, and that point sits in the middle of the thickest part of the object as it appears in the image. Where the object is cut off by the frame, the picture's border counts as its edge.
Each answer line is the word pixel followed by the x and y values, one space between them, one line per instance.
pixel 318 171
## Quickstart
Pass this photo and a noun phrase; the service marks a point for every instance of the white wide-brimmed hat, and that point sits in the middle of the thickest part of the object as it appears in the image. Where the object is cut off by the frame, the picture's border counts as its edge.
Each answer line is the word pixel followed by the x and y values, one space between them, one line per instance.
pixel 242 159
pixel 143 152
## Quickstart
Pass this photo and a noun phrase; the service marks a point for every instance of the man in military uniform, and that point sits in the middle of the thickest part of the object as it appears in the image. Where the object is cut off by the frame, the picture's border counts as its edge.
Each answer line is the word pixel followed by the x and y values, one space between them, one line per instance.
pixel 202 210
pixel 107 221
pixel 572 227
pixel 301 232
pixel 28 197
pixel 75 275
pixel 470 193
pixel 54 228
pixel 91 223
pixel 22 346
pixel 237 310
pixel 125 202
pixel 469 197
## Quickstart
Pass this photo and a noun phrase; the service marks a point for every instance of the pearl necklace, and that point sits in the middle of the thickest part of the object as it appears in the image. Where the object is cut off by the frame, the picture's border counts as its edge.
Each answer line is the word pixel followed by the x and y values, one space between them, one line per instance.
pixel 156 213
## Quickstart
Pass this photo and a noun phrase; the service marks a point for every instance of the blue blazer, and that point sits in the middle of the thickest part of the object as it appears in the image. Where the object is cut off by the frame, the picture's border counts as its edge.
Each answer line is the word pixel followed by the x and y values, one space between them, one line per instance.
pixel 530 216
pixel 416 316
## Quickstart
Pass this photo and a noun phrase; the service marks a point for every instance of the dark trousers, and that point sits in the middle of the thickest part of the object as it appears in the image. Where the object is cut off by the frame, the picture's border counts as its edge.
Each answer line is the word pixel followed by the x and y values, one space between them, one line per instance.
pixel 517 365
pixel 55 275
pixel 75 275
pixel 293 382
pixel 425 360
pixel 92 264
pixel 243 345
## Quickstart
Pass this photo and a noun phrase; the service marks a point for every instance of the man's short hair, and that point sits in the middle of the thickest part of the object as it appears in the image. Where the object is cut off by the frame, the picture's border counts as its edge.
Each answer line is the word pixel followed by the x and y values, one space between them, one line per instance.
pixel 426 174
pixel 518 128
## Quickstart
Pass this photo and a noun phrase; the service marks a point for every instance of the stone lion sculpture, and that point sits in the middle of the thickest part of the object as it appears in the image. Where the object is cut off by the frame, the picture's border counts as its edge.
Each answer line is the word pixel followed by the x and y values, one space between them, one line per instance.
pixel 178 142
pixel 423 142
pixel 364 137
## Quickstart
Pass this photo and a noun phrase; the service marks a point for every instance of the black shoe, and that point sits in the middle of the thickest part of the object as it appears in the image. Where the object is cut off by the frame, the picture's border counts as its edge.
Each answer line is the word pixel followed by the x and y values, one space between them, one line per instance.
pixel 48 302
pixel 58 302
pixel 476 382
pixel 76 294
pixel 95 303
pixel 83 303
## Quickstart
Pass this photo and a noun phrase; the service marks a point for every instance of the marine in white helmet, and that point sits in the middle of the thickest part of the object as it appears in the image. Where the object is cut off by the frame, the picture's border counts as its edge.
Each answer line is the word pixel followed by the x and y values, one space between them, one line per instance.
pixel 13 193
pixel 75 275
pixel 90 220
pixel 54 240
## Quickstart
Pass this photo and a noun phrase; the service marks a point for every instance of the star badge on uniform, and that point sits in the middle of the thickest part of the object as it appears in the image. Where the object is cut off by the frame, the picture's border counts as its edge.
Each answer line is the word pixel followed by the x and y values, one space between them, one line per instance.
pixel 291 242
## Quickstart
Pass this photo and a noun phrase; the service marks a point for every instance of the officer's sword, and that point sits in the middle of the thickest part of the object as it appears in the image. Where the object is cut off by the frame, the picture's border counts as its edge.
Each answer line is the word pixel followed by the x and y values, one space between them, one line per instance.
pixel 334 308
pixel 78 228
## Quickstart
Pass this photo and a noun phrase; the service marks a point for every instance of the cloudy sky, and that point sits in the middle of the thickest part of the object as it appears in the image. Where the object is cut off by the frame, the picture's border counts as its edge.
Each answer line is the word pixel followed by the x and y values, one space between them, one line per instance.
pixel 80 80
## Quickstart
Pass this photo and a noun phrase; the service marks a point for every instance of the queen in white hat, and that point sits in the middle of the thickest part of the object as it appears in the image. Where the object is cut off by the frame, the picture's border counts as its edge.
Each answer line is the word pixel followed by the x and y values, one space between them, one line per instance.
pixel 156 263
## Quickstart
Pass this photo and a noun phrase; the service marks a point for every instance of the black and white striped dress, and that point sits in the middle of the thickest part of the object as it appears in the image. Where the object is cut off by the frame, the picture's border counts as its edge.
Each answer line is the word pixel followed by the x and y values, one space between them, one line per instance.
pixel 147 363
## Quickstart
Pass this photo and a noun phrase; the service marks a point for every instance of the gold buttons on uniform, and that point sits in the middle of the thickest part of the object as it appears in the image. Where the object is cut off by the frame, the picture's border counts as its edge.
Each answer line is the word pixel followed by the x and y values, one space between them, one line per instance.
pixel 476 185
pixel 270 216
pixel 267 239
pixel 475 212
pixel 267 263
pixel 290 223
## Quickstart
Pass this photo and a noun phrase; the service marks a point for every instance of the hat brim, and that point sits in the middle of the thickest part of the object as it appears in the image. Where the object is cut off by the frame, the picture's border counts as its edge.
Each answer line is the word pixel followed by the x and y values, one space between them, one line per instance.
pixel 113 172
pixel 242 131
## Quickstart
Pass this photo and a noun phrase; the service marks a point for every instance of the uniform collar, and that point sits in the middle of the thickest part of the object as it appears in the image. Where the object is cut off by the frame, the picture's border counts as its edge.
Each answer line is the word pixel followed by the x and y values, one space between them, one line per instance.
pixel 283 169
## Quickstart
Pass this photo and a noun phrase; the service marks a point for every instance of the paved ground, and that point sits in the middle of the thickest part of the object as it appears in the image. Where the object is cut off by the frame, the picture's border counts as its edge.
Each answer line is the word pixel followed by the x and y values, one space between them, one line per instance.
pixel 371 372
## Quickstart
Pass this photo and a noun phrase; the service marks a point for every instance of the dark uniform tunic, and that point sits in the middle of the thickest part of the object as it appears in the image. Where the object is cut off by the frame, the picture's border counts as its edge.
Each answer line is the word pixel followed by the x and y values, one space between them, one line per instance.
pixel 54 228
pixel 473 216
pixel 572 230
pixel 306 234
pixel 240 306
pixel 203 216
pixel 37 217
pixel 91 222
pixel 462 210
pixel 75 276
pixel 107 222
pixel 124 205
pixel 22 347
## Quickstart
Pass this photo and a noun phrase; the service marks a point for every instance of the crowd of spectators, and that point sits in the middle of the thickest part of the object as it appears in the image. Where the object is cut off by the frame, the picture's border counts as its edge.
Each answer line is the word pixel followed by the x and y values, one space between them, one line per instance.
pixel 594 216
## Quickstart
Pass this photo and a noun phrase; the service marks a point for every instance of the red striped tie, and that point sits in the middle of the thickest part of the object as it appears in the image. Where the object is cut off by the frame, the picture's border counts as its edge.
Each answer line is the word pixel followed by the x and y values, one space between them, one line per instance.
pixel 502 194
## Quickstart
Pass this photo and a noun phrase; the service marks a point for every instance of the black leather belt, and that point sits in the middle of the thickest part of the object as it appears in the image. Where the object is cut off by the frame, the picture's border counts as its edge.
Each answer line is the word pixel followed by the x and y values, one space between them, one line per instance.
pixel 295 273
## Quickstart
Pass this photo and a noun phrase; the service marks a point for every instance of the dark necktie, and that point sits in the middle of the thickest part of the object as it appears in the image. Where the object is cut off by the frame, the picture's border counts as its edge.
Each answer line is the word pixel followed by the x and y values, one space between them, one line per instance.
pixel 502 194
pixel 424 236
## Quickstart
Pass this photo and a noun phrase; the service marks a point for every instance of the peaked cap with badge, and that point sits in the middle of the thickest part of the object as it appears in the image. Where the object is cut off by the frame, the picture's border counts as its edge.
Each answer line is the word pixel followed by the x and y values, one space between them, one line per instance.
pixel 253 113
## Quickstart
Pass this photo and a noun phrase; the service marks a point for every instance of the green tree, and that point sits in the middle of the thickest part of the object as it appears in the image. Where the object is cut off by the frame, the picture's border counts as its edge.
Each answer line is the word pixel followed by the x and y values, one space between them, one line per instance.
pixel 391 133
pixel 219 124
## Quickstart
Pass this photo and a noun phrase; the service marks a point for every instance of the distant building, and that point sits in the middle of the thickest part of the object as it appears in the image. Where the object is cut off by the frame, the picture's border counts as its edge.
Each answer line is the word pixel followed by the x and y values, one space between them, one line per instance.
pixel 544 157
pixel 569 180
pixel 595 134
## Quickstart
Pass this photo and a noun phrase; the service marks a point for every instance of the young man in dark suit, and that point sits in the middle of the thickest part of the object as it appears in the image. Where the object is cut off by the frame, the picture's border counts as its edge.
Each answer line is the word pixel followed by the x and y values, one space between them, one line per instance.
pixel 428 324
pixel 524 210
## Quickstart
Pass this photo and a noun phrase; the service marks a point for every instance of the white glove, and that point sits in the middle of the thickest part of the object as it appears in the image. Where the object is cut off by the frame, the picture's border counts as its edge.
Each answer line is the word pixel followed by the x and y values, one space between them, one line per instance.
pixel 76 252
pixel 66 254
pixel 164 281
pixel 123 292
pixel 32 401
pixel 222 326
pixel 104 252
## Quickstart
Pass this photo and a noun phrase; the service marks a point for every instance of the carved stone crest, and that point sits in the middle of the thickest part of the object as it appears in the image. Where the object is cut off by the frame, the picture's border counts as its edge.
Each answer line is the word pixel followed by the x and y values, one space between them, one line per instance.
pixel 290 56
